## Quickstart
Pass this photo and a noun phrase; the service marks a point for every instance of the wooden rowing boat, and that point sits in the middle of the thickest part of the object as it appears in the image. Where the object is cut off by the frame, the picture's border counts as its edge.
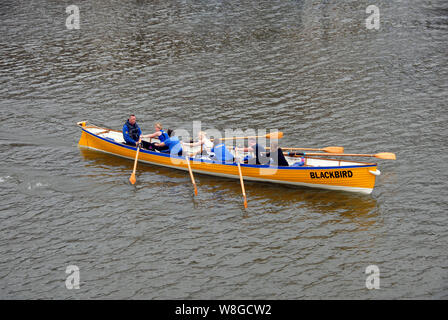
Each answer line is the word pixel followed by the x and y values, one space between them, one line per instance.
pixel 334 174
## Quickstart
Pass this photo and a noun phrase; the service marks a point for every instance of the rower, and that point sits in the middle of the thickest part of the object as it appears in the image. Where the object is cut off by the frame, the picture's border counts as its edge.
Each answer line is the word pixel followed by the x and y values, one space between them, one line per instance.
pixel 221 153
pixel 258 150
pixel 158 134
pixel 204 142
pixel 276 155
pixel 172 144
pixel 132 133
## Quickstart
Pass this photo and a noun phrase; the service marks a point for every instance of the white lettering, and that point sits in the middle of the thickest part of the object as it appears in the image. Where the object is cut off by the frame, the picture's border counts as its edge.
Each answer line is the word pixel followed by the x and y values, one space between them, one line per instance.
pixel 72 281
pixel 373 280
pixel 373 21
pixel 72 21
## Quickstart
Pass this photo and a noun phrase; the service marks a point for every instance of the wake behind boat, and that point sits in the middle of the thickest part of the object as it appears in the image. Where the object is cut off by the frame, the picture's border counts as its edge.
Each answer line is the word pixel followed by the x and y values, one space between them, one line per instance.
pixel 333 174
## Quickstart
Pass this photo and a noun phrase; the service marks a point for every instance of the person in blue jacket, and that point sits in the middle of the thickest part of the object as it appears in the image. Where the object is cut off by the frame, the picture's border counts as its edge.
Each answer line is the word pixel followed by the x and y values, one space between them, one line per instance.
pixel 173 144
pixel 132 133
pixel 221 153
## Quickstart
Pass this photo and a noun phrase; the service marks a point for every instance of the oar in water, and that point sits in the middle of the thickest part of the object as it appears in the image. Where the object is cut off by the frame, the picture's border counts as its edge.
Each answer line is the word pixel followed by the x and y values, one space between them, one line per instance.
pixel 242 183
pixel 326 149
pixel 381 155
pixel 274 135
pixel 132 177
pixel 191 175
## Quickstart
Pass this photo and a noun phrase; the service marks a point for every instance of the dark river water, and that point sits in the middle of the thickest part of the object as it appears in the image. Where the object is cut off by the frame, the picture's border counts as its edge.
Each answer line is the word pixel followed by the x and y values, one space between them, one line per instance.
pixel 308 68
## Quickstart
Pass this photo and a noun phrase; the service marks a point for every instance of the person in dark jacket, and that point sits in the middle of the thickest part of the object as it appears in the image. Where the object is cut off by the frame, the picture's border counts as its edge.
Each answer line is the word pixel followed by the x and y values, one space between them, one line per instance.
pixel 132 133
pixel 276 155
pixel 258 151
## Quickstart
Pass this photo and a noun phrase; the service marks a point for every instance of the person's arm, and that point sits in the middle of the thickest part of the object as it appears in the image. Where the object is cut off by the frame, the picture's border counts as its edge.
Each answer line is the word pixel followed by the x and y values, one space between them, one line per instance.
pixel 260 154
pixel 164 143
pixel 198 143
pixel 153 135
pixel 248 149
pixel 191 144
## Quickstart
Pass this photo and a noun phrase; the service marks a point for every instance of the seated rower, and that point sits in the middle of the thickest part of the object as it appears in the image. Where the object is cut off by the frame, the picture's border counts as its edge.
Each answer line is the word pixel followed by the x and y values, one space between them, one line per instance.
pixel 204 142
pixel 276 155
pixel 257 150
pixel 221 153
pixel 132 133
pixel 173 144
pixel 158 134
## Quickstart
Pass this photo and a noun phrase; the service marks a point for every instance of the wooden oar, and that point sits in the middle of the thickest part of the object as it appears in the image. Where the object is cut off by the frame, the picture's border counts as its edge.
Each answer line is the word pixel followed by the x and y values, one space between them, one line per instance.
pixel 274 135
pixel 327 149
pixel 242 183
pixel 132 177
pixel 381 155
pixel 191 175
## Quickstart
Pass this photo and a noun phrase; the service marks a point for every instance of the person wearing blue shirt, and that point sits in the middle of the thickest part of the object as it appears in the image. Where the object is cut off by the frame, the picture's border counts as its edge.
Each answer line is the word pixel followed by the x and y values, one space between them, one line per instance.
pixel 132 133
pixel 158 134
pixel 173 144
pixel 221 153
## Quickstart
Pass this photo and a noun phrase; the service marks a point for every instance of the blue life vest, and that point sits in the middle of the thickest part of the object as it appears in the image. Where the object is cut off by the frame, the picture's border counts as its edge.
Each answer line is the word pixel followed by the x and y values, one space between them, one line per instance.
pixel 133 130
pixel 174 145
pixel 163 136
pixel 222 154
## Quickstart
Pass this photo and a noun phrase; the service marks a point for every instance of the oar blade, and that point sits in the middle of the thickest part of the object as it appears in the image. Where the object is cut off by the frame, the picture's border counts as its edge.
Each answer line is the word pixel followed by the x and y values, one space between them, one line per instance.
pixel 334 149
pixel 132 178
pixel 245 203
pixel 386 156
pixel 275 135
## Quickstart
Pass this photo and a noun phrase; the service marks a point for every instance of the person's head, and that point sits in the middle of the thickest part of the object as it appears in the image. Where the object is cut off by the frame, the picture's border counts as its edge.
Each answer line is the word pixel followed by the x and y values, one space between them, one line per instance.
pixel 158 126
pixel 132 119
pixel 170 132
pixel 274 146
pixel 252 141
pixel 217 142
pixel 202 135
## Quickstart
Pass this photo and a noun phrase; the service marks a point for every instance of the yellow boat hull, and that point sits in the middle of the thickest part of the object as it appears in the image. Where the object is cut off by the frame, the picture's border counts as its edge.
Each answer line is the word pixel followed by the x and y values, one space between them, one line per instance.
pixel 358 177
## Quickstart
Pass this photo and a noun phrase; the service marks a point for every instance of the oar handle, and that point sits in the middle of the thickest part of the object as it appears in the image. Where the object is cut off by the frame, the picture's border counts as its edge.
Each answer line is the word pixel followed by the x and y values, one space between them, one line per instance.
pixel 136 156
pixel 381 155
pixel 296 154
pixel 326 149
pixel 274 135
